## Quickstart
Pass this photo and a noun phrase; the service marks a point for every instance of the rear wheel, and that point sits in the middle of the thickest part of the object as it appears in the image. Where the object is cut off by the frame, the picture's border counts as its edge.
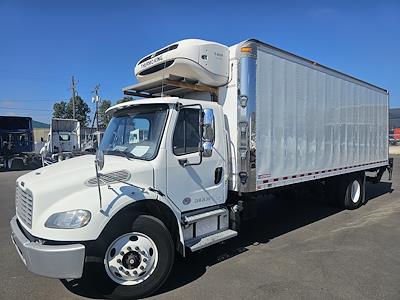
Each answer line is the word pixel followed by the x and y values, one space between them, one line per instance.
pixel 347 191
pixel 354 192
pixel 136 262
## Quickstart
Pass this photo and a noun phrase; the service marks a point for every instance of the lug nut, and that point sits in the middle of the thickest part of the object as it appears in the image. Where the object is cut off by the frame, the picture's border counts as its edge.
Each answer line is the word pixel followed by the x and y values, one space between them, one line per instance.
pixel 129 249
pixel 121 268
pixel 118 261
pixel 122 253
pixel 141 268
pixel 134 273
pixel 144 259
pixel 136 248
pixel 144 253
pixel 127 273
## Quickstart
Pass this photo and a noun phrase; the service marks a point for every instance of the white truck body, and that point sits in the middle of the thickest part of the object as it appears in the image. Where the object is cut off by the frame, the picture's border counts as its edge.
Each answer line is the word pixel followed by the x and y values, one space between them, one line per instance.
pixel 183 165
pixel 64 136
pixel 64 141
pixel 306 121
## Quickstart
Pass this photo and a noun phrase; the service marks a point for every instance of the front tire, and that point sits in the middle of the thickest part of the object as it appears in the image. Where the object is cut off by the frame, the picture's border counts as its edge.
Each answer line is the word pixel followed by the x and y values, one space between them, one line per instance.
pixel 136 262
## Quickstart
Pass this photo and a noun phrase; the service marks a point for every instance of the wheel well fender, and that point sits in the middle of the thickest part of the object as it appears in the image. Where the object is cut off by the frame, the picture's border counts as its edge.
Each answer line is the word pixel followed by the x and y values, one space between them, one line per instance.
pixel 154 208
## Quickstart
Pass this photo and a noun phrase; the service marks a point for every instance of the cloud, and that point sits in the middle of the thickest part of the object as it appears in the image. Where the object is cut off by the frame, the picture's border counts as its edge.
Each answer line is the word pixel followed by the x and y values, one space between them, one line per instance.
pixel 10 113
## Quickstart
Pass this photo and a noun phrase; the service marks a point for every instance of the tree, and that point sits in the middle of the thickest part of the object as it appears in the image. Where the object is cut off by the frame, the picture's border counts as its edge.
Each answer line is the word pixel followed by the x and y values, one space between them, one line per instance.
pixel 60 109
pixel 103 118
pixel 64 110
pixel 125 99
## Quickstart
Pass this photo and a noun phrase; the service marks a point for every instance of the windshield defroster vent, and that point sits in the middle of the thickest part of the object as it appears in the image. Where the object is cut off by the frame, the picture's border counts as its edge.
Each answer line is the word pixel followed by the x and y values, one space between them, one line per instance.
pixel 108 178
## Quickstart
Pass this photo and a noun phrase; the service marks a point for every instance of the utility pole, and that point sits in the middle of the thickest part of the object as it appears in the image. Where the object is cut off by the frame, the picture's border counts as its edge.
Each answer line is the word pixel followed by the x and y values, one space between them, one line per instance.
pixel 73 88
pixel 97 100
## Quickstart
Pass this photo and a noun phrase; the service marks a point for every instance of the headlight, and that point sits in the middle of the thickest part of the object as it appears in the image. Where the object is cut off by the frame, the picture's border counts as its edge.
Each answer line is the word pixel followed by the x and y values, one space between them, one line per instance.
pixel 69 219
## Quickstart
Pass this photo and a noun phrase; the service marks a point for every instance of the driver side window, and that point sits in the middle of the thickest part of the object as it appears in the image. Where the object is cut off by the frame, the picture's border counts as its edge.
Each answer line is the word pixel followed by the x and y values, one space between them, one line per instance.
pixel 186 135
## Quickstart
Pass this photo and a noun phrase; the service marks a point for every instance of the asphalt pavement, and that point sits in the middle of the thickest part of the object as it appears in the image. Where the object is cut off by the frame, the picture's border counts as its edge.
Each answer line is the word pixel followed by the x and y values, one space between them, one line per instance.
pixel 298 248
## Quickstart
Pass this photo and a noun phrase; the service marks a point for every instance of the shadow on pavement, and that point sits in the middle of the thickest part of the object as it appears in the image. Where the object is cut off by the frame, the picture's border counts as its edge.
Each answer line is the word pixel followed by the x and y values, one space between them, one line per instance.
pixel 277 216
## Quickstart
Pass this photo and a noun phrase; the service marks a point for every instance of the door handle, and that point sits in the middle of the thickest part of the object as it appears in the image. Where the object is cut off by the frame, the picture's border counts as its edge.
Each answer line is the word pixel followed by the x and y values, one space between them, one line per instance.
pixel 218 175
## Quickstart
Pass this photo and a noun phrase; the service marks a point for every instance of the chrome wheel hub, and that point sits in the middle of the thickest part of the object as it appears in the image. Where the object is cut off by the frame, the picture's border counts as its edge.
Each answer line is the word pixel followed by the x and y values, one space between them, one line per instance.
pixel 355 191
pixel 131 258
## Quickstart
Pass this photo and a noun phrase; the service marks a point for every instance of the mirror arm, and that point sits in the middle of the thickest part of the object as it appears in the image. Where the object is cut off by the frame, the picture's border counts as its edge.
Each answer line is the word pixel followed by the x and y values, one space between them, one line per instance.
pixel 98 185
pixel 184 162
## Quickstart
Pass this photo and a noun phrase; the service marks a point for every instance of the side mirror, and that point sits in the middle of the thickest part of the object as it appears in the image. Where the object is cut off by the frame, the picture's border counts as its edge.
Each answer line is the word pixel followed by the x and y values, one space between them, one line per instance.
pixel 99 161
pixel 208 125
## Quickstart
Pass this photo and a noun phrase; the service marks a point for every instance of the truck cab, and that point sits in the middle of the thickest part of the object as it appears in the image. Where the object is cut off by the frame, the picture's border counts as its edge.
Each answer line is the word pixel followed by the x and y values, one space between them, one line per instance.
pixel 156 187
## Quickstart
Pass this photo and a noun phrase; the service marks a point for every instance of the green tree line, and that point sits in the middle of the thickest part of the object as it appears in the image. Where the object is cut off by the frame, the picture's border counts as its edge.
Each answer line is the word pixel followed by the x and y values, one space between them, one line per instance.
pixel 63 110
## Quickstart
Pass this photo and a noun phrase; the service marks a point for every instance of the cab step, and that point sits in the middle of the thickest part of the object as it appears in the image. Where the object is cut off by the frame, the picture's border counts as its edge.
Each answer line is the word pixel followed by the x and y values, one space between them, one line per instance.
pixel 205 241
pixel 190 219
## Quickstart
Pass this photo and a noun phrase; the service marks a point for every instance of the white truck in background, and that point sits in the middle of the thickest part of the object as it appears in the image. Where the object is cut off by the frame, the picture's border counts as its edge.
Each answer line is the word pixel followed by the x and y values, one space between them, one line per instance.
pixel 63 141
pixel 178 170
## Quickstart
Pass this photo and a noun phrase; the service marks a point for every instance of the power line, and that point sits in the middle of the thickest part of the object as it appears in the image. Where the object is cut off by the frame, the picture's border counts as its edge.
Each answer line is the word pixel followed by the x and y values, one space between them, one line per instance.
pixel 20 100
pixel 17 108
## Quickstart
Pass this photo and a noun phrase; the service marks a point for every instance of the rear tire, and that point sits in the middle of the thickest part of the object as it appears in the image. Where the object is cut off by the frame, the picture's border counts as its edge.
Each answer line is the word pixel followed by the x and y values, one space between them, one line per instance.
pixel 136 260
pixel 347 191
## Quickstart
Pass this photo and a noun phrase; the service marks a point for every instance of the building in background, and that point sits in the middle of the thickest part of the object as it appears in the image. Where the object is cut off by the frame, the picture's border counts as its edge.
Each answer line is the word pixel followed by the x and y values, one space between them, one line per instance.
pixel 40 131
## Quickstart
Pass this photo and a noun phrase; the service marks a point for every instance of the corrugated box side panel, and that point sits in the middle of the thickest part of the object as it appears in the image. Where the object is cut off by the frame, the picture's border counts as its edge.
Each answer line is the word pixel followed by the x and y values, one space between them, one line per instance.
pixel 310 122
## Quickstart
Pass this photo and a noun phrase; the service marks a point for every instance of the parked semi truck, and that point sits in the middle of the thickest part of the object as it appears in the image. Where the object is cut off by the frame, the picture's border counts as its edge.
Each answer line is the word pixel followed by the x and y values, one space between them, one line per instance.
pixel 63 142
pixel 179 169
pixel 16 142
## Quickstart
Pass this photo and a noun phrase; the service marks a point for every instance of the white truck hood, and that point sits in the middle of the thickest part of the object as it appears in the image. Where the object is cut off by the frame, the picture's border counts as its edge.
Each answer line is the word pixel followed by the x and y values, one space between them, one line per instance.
pixel 64 186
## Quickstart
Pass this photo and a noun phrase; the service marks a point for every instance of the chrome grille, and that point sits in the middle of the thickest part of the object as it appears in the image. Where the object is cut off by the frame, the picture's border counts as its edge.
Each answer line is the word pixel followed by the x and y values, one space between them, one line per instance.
pixel 24 204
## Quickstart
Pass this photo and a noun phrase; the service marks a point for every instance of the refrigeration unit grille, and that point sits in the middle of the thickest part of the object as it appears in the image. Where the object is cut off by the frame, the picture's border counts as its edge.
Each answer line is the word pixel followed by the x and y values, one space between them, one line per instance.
pixel 172 47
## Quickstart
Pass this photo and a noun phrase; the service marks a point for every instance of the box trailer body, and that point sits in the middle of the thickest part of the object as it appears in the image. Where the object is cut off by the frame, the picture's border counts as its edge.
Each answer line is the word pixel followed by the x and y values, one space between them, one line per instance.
pixel 180 169
pixel 302 121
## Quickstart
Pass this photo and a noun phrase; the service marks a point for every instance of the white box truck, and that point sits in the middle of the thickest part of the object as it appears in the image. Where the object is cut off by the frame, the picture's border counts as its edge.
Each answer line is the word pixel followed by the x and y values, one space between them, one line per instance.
pixel 217 126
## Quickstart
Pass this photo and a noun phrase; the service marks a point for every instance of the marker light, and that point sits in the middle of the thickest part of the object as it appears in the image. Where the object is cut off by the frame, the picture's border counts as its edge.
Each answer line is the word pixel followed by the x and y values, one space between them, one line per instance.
pixel 246 49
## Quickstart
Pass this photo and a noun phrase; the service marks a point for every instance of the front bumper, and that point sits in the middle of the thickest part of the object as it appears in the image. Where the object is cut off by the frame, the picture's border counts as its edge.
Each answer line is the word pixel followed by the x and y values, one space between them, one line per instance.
pixel 55 261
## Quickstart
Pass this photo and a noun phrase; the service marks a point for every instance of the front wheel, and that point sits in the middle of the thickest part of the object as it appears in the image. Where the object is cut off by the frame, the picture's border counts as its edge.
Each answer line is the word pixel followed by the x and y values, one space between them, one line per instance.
pixel 136 263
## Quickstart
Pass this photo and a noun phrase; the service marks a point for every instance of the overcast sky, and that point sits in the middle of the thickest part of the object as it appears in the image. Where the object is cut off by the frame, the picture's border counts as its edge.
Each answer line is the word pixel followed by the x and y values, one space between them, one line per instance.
pixel 44 43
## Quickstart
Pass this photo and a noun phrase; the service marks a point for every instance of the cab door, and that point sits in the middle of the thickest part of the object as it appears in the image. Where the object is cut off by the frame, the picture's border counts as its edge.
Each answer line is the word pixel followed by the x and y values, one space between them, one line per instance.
pixel 194 182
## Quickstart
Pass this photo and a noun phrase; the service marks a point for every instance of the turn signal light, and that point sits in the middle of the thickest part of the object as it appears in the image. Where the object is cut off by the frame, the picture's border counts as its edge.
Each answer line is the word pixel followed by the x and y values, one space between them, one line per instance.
pixel 246 49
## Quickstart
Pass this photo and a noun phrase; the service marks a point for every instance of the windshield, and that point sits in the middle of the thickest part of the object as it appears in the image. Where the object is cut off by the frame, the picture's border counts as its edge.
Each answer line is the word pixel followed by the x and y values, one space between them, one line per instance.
pixel 135 132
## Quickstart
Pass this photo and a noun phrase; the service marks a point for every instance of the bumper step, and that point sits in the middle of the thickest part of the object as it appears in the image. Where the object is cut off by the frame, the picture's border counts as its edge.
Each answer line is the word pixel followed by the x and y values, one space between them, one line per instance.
pixel 202 242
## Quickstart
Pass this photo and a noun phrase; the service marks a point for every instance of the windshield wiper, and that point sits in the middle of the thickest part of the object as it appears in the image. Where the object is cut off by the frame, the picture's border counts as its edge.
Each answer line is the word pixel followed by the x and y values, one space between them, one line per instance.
pixel 128 155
